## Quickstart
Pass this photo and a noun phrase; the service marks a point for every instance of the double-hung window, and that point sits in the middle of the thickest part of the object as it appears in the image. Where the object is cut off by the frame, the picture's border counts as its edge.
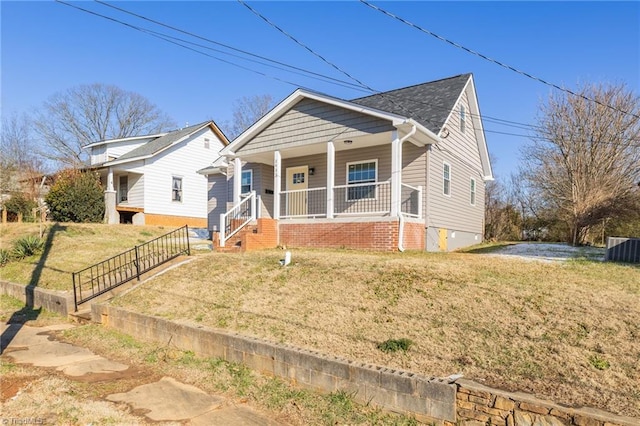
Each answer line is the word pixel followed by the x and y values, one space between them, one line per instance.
pixel 359 174
pixel 446 179
pixel 176 189
pixel 473 191
pixel 463 118
pixel 246 182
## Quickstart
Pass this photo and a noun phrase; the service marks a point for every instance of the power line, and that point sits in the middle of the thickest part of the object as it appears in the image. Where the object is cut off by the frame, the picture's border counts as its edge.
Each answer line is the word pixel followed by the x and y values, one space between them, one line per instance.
pixel 222 44
pixel 509 67
pixel 310 50
pixel 168 38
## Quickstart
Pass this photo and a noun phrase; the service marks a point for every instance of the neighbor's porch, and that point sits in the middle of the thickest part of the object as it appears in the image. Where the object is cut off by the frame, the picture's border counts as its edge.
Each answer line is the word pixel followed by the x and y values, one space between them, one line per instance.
pixel 124 196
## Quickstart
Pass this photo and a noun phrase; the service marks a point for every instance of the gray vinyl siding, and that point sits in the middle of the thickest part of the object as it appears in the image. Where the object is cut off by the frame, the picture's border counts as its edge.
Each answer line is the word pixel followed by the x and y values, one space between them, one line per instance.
pixel 414 169
pixel 262 180
pixel 310 122
pixel 217 194
pixel 455 212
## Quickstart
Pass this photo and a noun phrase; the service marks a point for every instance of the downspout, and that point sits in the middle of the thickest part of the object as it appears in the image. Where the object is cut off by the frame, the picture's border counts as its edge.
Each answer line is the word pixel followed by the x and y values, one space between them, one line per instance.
pixel 400 217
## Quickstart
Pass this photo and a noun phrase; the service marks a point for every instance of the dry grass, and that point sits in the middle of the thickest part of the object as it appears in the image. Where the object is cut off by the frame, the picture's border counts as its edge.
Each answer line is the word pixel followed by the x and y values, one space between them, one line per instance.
pixel 569 331
pixel 69 247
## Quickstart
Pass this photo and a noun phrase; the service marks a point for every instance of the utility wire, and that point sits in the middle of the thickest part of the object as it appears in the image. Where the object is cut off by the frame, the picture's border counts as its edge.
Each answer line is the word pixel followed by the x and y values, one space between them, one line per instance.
pixel 509 67
pixel 168 40
pixel 331 64
pixel 264 58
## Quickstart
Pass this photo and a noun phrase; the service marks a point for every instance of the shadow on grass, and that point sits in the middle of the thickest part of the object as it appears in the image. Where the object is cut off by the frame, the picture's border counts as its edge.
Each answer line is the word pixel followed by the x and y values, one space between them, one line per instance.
pixel 28 313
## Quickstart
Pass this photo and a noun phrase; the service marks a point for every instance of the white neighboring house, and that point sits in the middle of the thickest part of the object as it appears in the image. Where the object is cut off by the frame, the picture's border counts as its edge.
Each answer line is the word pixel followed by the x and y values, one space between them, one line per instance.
pixel 153 179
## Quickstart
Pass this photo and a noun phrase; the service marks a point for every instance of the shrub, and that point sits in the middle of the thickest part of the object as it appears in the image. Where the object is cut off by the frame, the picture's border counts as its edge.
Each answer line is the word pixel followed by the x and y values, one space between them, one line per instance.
pixel 19 203
pixel 5 256
pixel 394 345
pixel 27 246
pixel 76 196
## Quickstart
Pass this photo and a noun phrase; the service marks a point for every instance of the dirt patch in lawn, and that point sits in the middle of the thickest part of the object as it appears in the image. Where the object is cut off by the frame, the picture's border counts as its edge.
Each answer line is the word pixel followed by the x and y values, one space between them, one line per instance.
pixel 566 331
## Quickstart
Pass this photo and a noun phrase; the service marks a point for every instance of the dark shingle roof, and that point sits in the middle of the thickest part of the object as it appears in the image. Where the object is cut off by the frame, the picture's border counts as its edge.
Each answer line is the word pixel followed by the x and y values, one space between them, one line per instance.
pixel 427 103
pixel 161 142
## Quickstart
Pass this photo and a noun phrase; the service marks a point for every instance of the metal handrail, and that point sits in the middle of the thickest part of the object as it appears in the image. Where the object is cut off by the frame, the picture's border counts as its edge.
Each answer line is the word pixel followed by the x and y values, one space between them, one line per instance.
pixel 104 276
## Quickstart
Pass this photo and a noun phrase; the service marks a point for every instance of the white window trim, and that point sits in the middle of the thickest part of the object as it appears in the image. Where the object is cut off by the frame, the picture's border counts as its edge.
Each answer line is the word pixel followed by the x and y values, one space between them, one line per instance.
pixel 347 183
pixel 250 171
pixel 444 163
pixel 120 200
pixel 181 188
pixel 463 118
pixel 473 191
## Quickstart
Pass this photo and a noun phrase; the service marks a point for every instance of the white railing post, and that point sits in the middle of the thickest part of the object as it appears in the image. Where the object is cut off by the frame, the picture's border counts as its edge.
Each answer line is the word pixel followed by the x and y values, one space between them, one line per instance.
pixel 221 236
pixel 331 176
pixel 253 205
pixel 277 164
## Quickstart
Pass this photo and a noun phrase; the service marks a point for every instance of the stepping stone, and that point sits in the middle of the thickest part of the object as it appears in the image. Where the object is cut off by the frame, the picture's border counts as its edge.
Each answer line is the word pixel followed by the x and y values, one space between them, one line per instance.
pixel 168 399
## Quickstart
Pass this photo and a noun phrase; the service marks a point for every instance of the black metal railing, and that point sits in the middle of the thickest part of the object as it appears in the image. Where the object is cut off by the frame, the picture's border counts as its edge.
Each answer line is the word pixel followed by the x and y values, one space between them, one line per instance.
pixel 104 276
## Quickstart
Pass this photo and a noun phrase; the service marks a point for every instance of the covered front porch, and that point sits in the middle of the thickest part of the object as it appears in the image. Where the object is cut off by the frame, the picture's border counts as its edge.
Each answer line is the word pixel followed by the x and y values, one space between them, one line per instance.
pixel 124 196
pixel 365 192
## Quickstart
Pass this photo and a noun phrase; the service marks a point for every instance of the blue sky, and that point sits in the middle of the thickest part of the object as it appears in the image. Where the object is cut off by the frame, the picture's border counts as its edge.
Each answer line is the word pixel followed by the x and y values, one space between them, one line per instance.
pixel 48 47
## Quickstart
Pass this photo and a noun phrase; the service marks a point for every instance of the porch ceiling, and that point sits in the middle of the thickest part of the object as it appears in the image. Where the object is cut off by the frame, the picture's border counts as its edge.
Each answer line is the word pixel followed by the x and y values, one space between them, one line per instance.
pixel 321 148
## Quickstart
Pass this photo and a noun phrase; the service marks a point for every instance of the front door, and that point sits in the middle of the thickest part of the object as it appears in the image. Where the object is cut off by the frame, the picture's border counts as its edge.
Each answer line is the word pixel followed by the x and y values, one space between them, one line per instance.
pixel 297 181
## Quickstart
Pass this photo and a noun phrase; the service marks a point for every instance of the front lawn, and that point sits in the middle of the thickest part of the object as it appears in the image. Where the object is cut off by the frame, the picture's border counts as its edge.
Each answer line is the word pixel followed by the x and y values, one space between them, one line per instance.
pixel 68 247
pixel 566 331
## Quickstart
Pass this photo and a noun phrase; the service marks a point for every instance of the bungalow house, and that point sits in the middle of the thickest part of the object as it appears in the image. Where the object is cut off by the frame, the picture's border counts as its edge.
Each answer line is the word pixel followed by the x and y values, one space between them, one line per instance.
pixel 153 179
pixel 404 169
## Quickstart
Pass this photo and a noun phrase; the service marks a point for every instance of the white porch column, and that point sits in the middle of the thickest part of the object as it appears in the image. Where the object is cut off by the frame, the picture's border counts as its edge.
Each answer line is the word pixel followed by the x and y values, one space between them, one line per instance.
pixel 396 173
pixel 111 215
pixel 237 180
pixel 331 177
pixel 277 172
pixel 110 180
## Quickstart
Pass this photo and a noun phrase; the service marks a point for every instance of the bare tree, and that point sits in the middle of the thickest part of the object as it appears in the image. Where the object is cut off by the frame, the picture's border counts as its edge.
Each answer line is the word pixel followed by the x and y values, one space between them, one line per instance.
pixel 90 113
pixel 20 166
pixel 246 111
pixel 584 163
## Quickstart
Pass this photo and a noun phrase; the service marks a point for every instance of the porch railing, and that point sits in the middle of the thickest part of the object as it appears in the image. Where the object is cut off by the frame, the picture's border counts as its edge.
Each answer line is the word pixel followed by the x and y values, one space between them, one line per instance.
pixel 235 219
pixel 372 199
pixel 303 203
pixel 364 198
pixel 411 200
pixel 97 279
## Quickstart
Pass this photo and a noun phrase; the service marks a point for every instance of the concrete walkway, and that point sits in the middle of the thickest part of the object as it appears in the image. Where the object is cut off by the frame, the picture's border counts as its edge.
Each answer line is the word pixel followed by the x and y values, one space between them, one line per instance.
pixel 165 400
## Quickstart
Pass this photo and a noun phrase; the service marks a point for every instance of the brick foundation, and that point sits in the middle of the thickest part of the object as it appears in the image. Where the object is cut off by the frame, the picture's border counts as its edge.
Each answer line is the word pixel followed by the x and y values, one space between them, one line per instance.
pixel 379 234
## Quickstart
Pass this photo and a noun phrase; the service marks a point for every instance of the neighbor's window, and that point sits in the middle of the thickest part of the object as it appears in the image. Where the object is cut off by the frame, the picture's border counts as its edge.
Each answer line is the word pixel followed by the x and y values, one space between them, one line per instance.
pixel 176 189
pixel 123 188
pixel 473 191
pixel 463 118
pixel 446 179
pixel 246 181
pixel 206 143
pixel 358 174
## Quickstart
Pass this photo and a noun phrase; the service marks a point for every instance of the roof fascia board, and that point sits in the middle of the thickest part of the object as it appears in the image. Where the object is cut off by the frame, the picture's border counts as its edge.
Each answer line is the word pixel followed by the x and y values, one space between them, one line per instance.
pixel 130 138
pixel 479 130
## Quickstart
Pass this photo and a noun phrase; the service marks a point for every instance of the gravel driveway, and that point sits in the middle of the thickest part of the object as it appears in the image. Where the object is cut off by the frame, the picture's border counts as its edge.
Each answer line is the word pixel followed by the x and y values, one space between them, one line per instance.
pixel 550 252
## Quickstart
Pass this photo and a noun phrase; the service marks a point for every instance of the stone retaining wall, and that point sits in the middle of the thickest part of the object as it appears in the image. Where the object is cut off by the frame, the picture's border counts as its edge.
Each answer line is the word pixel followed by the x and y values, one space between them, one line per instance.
pixel 60 302
pixel 428 398
pixel 480 405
